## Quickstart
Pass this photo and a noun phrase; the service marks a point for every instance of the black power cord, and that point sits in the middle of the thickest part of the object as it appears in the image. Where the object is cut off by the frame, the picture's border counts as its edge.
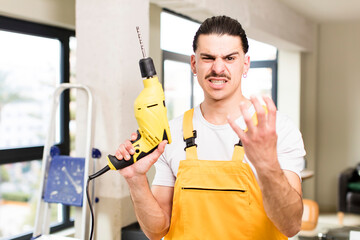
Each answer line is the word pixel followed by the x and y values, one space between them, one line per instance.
pixel 91 177
pixel 91 209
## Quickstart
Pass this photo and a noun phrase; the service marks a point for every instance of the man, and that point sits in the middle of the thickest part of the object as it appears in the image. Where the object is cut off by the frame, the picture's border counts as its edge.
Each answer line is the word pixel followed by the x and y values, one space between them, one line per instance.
pixel 225 195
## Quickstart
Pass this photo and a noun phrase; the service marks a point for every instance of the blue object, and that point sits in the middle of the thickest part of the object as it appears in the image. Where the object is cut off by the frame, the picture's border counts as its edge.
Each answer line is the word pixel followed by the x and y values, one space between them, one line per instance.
pixel 54 151
pixel 96 153
pixel 65 181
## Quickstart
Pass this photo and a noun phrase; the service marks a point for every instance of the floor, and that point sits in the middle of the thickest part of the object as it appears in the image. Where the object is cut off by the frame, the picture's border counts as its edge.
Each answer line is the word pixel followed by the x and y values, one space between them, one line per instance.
pixel 327 222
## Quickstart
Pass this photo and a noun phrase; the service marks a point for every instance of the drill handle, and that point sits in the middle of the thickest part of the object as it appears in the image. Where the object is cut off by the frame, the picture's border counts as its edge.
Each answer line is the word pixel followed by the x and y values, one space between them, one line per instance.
pixel 117 164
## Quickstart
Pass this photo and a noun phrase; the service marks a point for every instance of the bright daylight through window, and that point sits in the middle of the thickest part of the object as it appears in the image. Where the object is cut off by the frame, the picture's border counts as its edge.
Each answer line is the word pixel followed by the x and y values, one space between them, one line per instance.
pixel 29 71
pixel 31 66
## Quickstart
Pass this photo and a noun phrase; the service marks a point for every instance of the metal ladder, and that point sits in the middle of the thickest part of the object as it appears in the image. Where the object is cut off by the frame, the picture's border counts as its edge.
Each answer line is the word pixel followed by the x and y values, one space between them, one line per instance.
pixel 55 167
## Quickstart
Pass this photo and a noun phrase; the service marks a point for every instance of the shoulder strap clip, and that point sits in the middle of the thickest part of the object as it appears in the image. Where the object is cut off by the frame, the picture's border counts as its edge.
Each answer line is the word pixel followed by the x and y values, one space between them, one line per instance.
pixel 190 142
pixel 239 143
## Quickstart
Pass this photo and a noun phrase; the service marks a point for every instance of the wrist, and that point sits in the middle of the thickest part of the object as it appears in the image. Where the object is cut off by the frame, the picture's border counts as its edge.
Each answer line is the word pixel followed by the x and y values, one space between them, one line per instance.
pixel 136 180
pixel 138 187
pixel 268 167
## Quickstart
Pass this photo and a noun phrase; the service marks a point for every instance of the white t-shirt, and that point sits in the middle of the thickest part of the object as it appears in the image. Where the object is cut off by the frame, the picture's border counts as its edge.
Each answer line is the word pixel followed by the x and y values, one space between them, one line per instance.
pixel 216 142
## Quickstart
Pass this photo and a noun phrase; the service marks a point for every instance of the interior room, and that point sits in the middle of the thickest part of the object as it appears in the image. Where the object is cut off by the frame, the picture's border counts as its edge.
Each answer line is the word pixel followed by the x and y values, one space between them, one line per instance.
pixel 307 60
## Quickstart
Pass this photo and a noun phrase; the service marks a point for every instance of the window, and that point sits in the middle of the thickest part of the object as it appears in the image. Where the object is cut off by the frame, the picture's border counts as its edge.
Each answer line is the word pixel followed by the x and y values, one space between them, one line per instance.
pixel 182 91
pixel 181 88
pixel 34 59
pixel 262 76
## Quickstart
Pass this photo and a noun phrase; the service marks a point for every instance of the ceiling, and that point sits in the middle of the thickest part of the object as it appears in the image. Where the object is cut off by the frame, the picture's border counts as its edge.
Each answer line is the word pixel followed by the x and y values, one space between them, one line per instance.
pixel 322 11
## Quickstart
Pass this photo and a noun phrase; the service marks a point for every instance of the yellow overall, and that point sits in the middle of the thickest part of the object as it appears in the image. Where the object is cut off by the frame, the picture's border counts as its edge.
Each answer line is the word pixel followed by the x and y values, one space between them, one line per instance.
pixel 217 199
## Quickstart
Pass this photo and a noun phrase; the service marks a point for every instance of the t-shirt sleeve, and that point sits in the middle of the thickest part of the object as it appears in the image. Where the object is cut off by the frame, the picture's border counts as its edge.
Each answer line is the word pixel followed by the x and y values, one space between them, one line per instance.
pixel 291 150
pixel 164 175
pixel 167 164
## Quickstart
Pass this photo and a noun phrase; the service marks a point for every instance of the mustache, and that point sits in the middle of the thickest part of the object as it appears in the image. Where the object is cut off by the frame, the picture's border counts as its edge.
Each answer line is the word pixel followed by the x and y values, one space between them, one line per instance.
pixel 214 74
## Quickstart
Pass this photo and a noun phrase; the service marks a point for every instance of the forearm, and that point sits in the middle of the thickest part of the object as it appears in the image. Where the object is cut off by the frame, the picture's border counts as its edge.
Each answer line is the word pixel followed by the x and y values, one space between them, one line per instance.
pixel 281 193
pixel 282 203
pixel 152 218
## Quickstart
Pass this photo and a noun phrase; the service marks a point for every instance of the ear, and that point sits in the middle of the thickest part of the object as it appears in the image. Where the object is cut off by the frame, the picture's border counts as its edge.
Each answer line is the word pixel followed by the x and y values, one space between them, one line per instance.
pixel 193 64
pixel 246 64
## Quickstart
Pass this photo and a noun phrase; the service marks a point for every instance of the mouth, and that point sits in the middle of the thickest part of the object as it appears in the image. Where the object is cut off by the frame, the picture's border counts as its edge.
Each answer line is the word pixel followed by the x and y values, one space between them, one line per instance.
pixel 217 82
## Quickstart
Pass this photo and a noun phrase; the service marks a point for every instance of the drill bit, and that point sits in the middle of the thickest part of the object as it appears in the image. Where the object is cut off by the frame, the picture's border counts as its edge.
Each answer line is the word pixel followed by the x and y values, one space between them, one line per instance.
pixel 147 67
pixel 141 42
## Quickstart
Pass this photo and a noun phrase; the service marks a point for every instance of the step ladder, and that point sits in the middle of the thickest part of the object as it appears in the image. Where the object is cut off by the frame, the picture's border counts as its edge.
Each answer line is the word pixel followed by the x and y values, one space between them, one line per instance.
pixel 64 178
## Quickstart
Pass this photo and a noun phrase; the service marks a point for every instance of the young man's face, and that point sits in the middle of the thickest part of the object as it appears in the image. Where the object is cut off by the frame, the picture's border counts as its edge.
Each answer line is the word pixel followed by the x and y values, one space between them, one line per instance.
pixel 219 63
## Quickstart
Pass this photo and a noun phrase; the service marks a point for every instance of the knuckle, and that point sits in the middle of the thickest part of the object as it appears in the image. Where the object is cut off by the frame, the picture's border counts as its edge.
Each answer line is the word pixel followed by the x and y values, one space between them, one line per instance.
pixel 118 155
pixel 245 141
pixel 261 113
pixel 272 131
pixel 247 119
pixel 271 107
pixel 122 148
pixel 128 145
pixel 272 110
pixel 261 135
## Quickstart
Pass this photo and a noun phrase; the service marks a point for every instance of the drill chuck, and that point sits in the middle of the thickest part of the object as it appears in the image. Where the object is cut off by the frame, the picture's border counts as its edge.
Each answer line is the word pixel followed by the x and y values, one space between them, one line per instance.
pixel 147 67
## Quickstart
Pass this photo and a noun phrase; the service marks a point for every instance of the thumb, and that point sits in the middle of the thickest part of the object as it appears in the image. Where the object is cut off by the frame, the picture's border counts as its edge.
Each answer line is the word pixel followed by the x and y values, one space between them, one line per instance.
pixel 158 151
pixel 162 146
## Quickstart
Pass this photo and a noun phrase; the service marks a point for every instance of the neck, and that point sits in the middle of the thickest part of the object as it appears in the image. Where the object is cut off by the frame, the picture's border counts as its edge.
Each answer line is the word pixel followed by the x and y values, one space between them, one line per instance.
pixel 216 112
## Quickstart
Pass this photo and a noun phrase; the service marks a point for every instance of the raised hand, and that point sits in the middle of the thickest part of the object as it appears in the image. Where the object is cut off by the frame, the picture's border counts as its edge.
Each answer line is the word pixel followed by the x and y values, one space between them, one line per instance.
pixel 259 140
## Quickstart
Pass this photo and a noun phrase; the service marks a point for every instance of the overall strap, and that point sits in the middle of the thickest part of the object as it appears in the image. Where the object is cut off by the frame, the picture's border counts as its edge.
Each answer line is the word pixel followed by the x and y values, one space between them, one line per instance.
pixel 189 135
pixel 239 152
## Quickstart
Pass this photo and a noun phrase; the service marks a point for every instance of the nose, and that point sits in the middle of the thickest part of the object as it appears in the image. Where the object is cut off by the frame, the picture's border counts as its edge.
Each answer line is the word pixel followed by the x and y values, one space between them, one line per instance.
pixel 218 66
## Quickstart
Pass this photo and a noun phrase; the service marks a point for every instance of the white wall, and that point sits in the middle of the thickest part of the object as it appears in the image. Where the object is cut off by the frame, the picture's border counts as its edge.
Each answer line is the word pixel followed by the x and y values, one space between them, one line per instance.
pixel 264 20
pixel 308 116
pixel 108 53
pixel 52 12
pixel 289 76
pixel 338 127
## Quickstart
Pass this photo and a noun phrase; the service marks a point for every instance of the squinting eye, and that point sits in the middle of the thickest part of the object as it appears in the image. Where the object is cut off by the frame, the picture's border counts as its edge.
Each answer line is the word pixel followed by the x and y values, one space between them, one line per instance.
pixel 229 58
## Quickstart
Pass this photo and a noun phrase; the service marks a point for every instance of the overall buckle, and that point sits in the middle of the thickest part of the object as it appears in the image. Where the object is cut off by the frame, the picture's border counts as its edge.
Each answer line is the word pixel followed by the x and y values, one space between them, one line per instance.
pixel 190 142
pixel 239 143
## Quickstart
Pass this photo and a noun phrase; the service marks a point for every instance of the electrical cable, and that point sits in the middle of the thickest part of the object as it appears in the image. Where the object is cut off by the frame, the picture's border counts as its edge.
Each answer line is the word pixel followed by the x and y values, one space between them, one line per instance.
pixel 100 172
pixel 91 177
pixel 91 209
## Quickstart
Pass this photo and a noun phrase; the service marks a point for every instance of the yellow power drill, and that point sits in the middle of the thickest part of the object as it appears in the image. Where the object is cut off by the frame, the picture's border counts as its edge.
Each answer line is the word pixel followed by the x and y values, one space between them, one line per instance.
pixel 150 114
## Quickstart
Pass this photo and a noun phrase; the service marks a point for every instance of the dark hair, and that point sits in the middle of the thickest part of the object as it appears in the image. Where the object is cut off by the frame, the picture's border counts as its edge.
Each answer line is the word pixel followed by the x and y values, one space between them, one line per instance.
pixel 222 25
